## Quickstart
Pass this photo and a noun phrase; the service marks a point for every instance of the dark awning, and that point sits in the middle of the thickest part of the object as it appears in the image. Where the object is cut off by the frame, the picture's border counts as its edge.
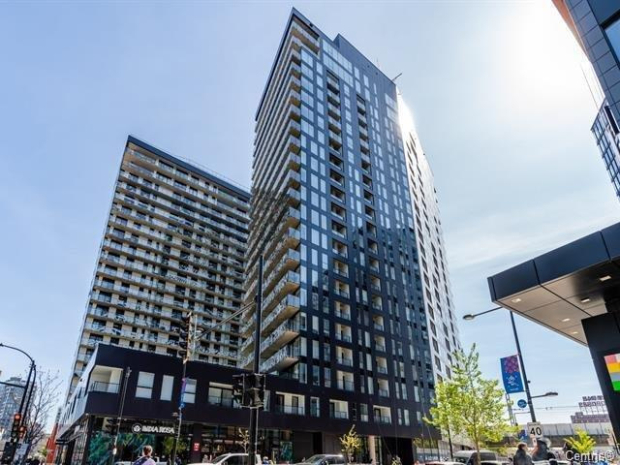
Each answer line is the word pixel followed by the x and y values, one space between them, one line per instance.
pixel 564 286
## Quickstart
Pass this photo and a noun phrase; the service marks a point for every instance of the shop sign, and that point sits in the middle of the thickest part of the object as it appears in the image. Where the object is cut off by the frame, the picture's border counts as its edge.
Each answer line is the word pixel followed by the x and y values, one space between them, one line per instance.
pixel 137 428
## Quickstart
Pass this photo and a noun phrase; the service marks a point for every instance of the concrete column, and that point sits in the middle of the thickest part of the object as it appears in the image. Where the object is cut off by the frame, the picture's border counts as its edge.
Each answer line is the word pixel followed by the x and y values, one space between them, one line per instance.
pixel 115 380
pixel 372 450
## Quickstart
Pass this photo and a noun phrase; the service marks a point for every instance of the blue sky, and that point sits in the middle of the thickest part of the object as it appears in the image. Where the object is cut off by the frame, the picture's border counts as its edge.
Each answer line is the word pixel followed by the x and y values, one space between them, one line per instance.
pixel 496 88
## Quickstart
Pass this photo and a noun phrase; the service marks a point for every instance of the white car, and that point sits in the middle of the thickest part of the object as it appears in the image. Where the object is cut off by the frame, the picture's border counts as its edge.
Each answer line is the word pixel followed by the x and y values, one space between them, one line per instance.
pixel 231 459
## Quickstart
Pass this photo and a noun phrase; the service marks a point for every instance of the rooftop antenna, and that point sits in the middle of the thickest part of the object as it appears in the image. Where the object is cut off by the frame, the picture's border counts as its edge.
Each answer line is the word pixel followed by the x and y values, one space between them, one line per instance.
pixel 399 75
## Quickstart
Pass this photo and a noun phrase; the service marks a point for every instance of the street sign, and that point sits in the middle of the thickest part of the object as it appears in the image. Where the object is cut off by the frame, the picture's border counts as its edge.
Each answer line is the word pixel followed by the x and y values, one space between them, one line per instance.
pixel 535 430
pixel 522 403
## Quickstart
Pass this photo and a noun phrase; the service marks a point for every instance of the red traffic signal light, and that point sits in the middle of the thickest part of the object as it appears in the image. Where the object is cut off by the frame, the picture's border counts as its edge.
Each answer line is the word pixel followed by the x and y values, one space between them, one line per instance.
pixel 17 417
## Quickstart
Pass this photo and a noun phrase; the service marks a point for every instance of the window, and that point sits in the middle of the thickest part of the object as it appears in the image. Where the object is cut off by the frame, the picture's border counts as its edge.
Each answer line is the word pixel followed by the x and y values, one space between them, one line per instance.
pixel 189 397
pixel 166 387
pixel 613 34
pixel 145 385
pixel 314 407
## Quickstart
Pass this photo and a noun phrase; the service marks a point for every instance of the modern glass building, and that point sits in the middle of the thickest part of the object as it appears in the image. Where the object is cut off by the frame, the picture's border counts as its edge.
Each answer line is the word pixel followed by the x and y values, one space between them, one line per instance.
pixel 356 299
pixel 174 242
pixel 596 26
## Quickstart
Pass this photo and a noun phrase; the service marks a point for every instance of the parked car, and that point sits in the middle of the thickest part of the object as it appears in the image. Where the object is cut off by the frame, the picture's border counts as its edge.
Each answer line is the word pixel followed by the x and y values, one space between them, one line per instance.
pixel 231 459
pixel 324 459
pixel 438 462
pixel 468 457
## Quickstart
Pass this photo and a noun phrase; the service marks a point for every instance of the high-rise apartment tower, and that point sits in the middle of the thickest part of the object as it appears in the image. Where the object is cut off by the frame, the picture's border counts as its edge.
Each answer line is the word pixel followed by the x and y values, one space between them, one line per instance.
pixel 356 298
pixel 174 242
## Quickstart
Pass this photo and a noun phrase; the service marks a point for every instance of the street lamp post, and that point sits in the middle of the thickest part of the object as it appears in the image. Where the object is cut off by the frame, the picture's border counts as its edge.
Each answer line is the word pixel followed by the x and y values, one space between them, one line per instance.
pixel 471 316
pixel 24 405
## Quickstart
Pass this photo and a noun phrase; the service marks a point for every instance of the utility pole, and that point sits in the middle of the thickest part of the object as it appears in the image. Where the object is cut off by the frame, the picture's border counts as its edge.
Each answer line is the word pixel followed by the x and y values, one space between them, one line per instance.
pixel 120 413
pixel 256 368
pixel 525 380
pixel 187 340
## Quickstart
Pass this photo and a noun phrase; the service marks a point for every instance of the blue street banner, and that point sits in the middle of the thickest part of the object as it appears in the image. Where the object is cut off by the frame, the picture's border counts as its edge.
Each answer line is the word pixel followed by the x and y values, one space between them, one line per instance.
pixel 511 374
pixel 182 399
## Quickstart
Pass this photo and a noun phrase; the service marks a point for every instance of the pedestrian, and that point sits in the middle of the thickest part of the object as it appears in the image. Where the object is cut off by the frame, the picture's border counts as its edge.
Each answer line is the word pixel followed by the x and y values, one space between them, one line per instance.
pixel 542 452
pixel 146 458
pixel 521 456
pixel 265 460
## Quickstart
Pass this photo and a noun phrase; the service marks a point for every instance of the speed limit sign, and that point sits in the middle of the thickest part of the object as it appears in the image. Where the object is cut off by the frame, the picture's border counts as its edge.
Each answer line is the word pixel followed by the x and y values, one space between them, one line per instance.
pixel 535 430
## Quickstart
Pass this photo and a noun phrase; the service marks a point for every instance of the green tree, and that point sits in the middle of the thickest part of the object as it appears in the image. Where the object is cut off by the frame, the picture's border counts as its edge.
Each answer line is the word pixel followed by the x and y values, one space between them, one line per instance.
pixel 350 443
pixel 583 443
pixel 470 405
pixel 442 411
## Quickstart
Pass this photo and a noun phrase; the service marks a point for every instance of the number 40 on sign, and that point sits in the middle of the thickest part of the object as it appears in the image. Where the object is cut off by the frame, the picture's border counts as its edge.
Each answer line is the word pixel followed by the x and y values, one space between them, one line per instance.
pixel 535 429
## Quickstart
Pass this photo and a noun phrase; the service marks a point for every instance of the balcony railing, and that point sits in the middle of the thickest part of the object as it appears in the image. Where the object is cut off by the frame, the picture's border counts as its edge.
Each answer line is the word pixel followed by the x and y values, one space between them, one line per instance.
pixel 100 386
pixel 290 409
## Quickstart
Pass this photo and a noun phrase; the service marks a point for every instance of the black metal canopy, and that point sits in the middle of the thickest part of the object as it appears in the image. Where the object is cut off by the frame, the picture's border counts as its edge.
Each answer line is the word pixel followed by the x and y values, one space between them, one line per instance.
pixel 562 287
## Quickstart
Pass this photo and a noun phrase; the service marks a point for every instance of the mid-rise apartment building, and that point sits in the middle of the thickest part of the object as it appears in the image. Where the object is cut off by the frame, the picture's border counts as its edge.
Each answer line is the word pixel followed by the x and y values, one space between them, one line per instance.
pixel 174 242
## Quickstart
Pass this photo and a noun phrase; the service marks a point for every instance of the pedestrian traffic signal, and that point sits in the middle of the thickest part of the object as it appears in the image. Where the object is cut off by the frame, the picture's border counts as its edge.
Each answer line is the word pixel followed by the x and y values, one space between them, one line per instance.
pixel 22 432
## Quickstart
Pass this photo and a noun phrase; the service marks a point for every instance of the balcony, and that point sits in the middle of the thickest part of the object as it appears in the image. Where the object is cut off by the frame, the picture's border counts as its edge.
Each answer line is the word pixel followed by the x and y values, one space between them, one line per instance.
pixel 382 369
pixel 332 84
pixel 290 409
pixel 346 385
pixel 288 284
pixel 99 386
pixel 335 141
pixel 333 98
pixel 384 419
pixel 361 107
pixel 222 401
pixel 383 392
pixel 334 125
pixel 345 361
pixel 344 293
pixel 339 415
pixel 284 310
pixel 283 334
pixel 282 359
pixel 343 315
pixel 333 110
pixel 365 148
pixel 343 337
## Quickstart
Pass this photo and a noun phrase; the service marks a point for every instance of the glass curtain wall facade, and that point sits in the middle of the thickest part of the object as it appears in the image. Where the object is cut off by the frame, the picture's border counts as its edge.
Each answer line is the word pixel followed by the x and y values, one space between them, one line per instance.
pixel 596 26
pixel 333 214
pixel 174 242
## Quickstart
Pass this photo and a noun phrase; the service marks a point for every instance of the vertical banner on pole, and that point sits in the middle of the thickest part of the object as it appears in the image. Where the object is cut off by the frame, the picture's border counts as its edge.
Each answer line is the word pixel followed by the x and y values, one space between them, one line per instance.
pixel 511 374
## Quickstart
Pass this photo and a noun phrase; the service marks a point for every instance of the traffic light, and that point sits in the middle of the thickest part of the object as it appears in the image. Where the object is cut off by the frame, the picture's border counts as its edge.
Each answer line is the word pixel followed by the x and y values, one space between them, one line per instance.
pixel 186 336
pixel 15 427
pixel 249 390
pixel 22 432
pixel 111 425
pixel 257 391
pixel 239 389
